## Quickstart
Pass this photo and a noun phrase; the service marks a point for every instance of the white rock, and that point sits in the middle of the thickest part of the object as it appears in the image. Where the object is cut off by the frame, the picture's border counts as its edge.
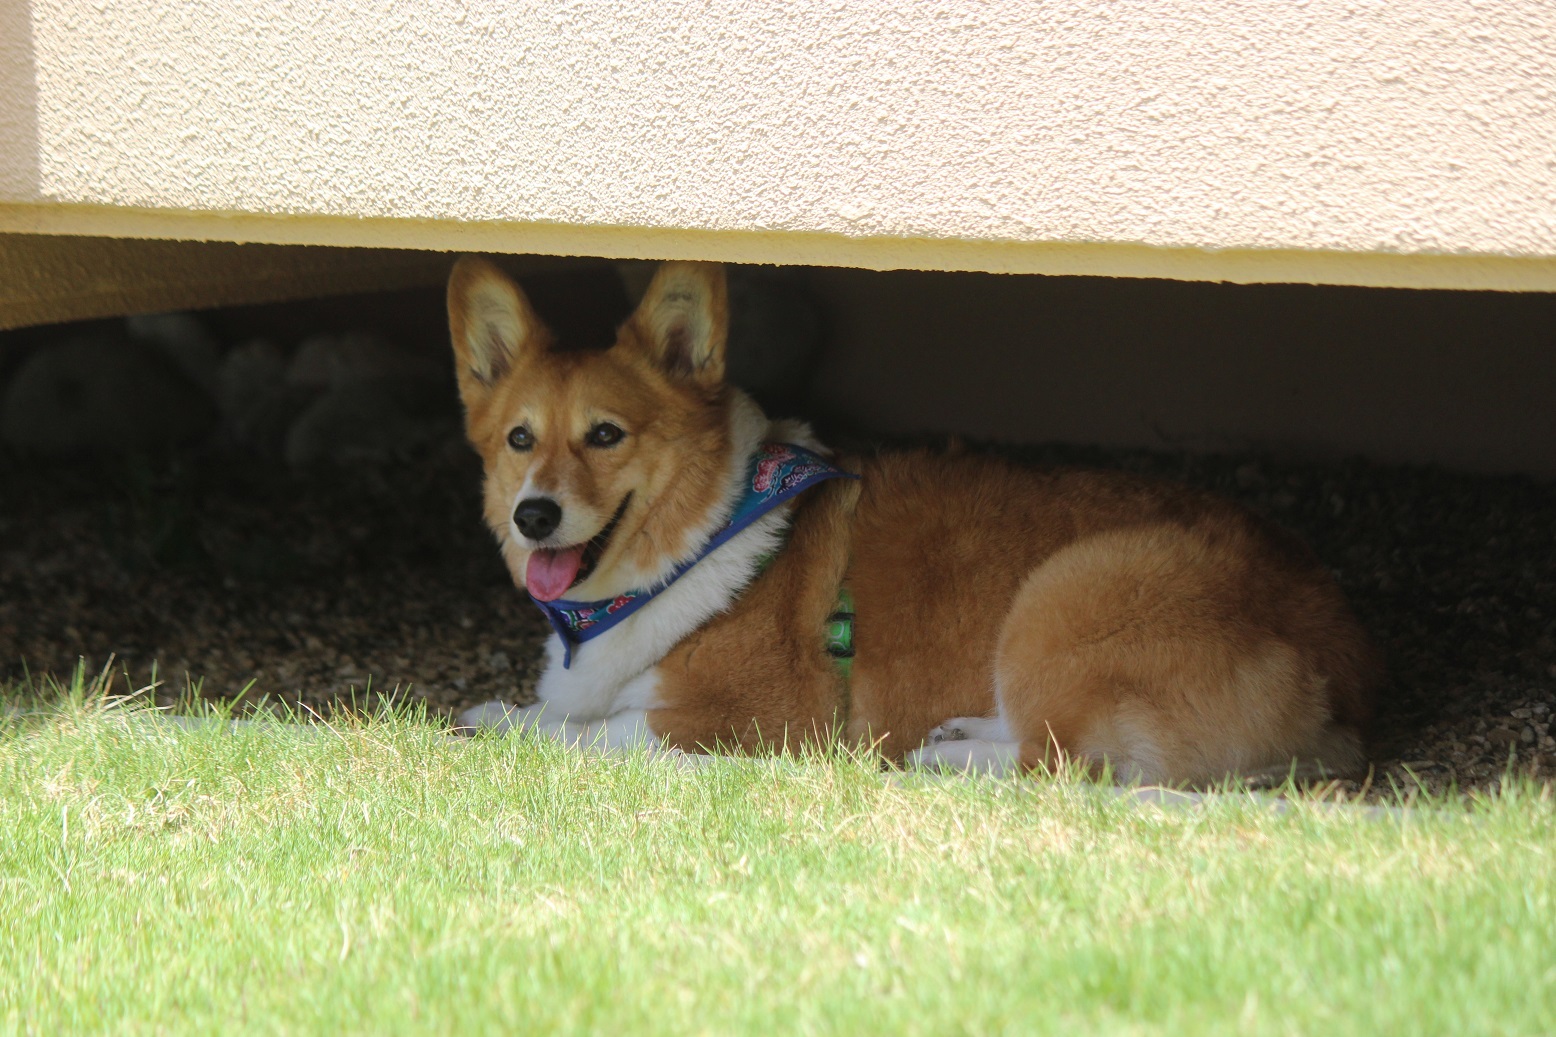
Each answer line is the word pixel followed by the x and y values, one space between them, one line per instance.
pixel 325 361
pixel 250 373
pixel 182 338
pixel 102 394
pixel 364 420
pixel 258 406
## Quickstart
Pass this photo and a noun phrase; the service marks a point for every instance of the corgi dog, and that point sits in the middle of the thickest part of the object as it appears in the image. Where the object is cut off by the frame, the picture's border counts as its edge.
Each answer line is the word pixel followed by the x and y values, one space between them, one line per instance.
pixel 717 581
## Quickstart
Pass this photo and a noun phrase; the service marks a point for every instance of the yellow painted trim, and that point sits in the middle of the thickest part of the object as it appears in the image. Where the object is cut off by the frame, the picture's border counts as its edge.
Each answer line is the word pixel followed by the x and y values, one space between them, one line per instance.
pixel 1107 259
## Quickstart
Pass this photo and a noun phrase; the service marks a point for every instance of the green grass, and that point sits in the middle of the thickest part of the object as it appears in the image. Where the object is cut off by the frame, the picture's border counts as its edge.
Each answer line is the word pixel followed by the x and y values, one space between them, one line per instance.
pixel 382 878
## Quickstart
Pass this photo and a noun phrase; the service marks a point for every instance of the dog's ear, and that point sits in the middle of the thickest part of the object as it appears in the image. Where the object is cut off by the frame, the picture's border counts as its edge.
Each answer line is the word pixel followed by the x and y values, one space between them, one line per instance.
pixel 491 323
pixel 684 321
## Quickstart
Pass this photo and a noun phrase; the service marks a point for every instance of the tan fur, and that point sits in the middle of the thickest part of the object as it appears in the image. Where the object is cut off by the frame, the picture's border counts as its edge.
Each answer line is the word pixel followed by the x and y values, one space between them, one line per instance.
pixel 757 677
pixel 1116 619
pixel 673 457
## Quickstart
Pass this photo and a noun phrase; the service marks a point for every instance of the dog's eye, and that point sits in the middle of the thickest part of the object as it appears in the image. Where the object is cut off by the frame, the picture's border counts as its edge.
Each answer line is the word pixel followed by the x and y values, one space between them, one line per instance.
pixel 604 434
pixel 521 438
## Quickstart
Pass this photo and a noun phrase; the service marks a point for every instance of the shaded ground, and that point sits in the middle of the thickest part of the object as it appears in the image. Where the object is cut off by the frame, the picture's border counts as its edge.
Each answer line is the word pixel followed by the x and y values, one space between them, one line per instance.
pixel 344 584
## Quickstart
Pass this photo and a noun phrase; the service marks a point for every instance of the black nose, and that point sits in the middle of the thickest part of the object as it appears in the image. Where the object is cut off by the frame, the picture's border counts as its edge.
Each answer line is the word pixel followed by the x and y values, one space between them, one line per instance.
pixel 538 517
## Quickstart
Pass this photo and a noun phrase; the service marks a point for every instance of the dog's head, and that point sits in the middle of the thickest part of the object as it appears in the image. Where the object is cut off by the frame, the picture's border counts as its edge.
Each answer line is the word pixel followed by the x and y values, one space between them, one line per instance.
pixel 599 464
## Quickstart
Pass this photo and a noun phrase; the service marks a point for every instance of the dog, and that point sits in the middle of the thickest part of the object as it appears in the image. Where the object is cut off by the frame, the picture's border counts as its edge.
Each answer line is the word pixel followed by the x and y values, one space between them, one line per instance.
pixel 718 581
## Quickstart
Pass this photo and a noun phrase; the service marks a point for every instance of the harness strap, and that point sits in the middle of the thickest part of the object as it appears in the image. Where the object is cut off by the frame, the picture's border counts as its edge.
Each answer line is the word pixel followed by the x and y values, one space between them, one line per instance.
pixel 778 472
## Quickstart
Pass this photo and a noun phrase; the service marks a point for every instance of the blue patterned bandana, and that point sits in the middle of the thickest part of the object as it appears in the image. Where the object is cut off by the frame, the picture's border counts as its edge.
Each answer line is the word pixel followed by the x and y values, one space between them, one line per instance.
pixel 778 472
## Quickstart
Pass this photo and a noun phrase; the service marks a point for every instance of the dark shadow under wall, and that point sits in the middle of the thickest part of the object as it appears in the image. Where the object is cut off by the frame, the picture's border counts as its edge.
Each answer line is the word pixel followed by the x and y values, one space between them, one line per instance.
pixel 234 562
pixel 1462 379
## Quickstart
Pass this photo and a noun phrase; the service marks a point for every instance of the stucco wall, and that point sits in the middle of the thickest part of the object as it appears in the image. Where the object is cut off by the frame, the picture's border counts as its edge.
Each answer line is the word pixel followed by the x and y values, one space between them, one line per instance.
pixel 1354 141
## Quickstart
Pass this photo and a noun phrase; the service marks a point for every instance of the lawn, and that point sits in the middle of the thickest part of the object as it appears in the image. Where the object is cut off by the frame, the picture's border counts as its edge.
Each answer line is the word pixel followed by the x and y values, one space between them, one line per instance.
pixel 384 878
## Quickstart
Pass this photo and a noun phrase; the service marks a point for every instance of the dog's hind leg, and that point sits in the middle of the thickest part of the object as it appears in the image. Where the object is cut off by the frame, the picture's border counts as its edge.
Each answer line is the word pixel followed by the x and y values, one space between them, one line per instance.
pixel 1338 752
pixel 1175 656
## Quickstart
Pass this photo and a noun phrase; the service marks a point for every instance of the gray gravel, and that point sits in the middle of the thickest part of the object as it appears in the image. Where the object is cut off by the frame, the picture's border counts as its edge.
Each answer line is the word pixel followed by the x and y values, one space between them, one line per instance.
pixel 328 588
pixel 339 587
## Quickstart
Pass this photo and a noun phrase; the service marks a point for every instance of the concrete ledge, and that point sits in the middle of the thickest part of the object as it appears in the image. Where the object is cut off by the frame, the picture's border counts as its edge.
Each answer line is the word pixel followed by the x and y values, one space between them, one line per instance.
pixel 1241 266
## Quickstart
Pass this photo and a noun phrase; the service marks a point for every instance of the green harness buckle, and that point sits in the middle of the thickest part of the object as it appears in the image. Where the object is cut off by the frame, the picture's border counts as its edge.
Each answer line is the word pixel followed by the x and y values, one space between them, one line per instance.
pixel 840 633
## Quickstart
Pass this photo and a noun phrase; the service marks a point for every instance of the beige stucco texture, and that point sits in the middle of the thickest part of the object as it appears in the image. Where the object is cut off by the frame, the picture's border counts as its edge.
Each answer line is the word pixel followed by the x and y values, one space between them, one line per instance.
pixel 1353 141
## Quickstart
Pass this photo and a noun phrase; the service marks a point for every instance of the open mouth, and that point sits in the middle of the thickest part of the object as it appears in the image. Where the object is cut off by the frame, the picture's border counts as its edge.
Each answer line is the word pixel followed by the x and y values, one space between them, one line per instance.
pixel 550 573
pixel 594 548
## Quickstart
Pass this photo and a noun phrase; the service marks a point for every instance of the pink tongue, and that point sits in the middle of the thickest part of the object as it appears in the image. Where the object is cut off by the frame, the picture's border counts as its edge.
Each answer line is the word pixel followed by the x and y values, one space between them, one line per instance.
pixel 550 573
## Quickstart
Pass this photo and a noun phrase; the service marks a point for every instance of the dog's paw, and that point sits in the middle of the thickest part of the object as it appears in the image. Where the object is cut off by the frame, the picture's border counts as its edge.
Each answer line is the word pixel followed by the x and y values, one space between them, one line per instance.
pixel 961 729
pixel 950 731
pixel 488 716
pixel 966 756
